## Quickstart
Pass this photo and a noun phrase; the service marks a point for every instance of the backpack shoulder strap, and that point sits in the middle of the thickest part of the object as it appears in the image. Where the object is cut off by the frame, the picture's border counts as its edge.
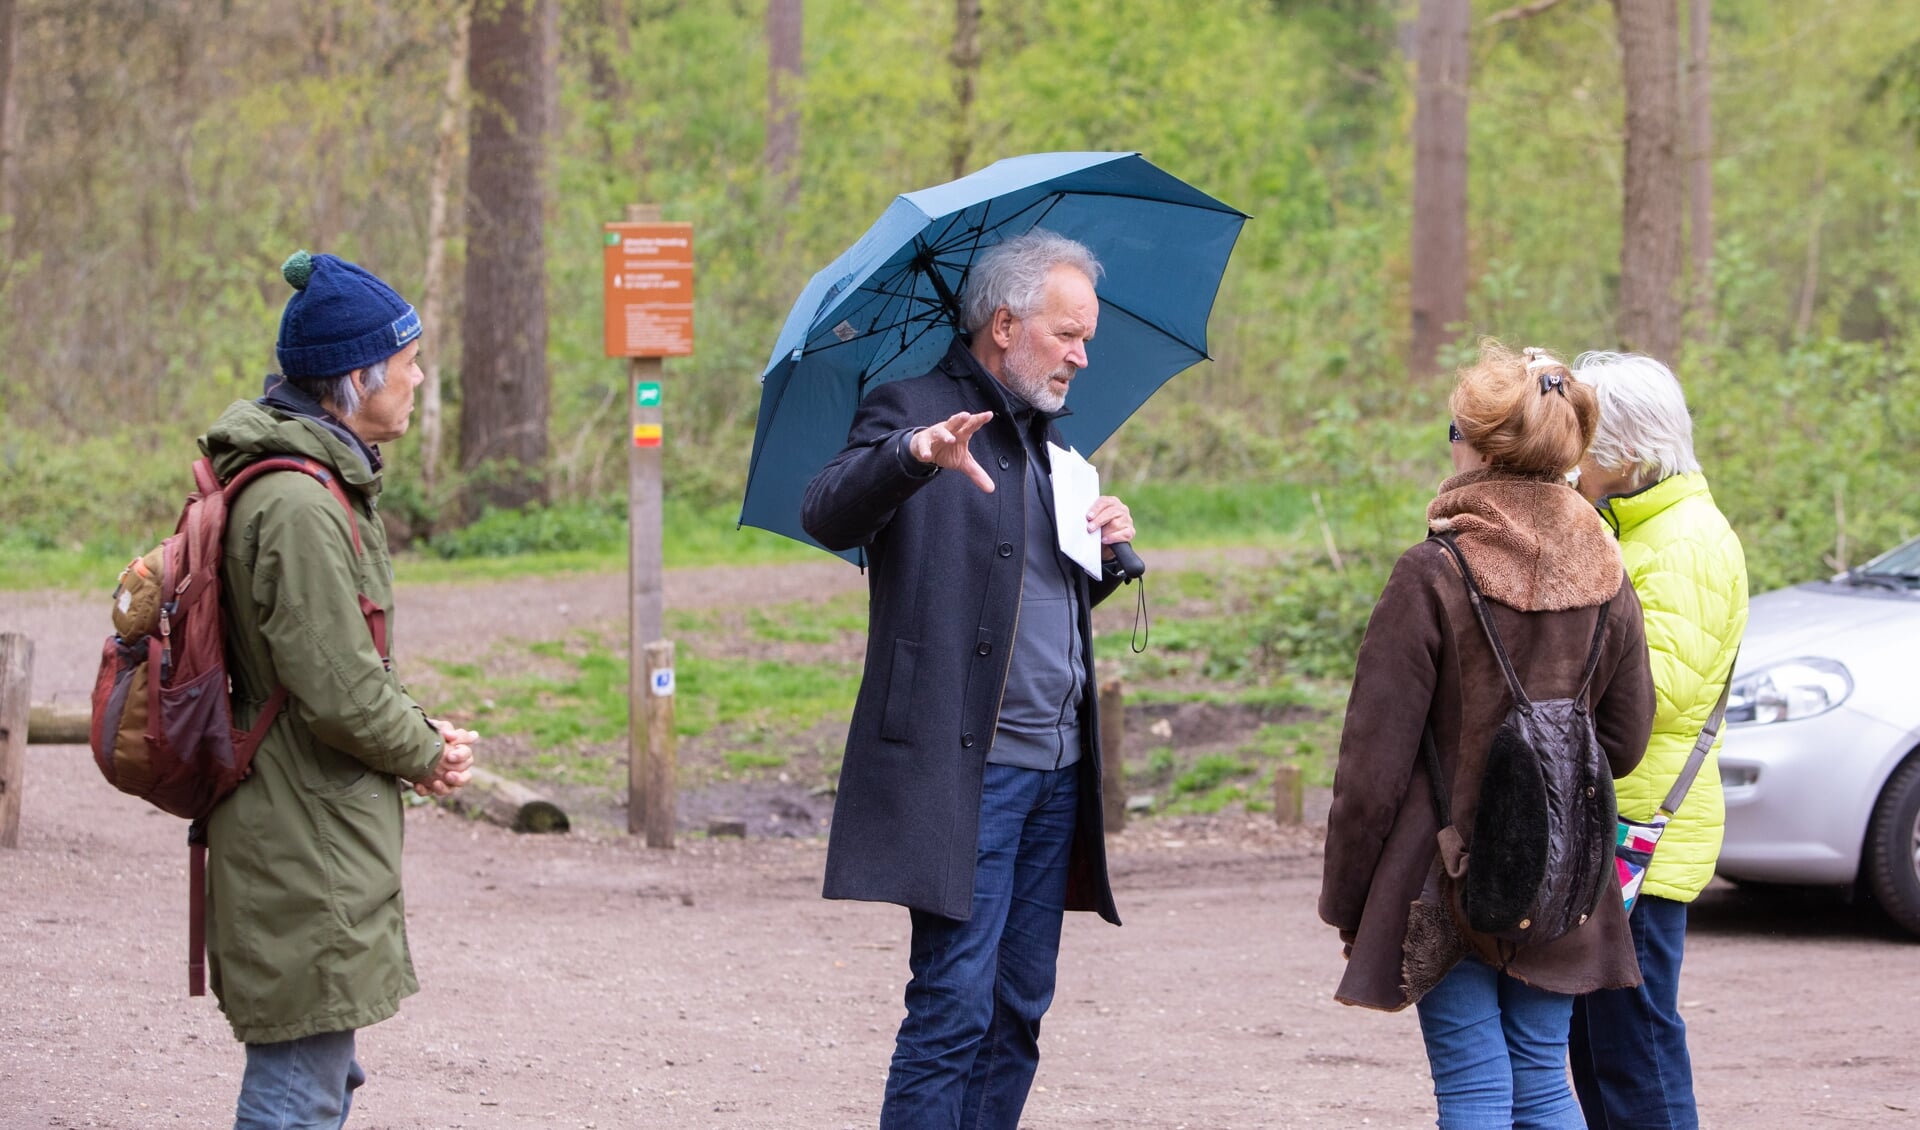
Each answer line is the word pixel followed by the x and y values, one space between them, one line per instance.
pixel 1599 637
pixel 1486 621
pixel 203 471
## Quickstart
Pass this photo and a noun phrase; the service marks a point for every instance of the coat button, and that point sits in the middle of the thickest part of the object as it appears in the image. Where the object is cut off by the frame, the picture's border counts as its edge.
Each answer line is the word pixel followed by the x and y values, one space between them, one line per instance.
pixel 966 741
pixel 1005 462
pixel 1525 922
pixel 1589 790
pixel 1006 549
pixel 985 649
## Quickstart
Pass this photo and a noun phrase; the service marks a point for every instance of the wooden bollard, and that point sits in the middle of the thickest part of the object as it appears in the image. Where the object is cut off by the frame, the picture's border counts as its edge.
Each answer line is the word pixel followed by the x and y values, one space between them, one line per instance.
pixel 1289 795
pixel 652 804
pixel 1113 770
pixel 16 689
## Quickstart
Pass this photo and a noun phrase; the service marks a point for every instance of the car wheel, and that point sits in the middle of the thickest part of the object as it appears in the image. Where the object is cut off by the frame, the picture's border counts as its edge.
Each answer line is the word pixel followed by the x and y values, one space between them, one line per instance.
pixel 1893 847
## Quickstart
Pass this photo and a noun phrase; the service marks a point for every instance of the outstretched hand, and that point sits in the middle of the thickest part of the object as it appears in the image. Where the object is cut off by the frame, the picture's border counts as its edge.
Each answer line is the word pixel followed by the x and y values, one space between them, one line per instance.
pixel 945 445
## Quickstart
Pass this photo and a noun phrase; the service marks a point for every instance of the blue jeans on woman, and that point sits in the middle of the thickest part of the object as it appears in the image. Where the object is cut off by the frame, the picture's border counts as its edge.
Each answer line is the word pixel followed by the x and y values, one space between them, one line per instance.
pixel 1630 1063
pixel 970 1044
pixel 304 1084
pixel 1498 1050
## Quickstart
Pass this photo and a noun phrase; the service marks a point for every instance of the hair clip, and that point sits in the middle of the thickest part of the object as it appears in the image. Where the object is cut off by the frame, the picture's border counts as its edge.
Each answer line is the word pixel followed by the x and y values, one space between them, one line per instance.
pixel 1553 382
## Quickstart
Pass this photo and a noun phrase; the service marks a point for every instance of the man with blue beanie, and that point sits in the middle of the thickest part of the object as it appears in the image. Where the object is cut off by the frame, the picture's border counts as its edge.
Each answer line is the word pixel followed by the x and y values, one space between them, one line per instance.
pixel 306 928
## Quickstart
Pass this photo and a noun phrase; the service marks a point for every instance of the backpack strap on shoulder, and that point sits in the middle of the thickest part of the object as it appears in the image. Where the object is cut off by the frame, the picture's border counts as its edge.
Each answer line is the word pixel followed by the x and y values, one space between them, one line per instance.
pixel 1599 637
pixel 1486 621
pixel 311 467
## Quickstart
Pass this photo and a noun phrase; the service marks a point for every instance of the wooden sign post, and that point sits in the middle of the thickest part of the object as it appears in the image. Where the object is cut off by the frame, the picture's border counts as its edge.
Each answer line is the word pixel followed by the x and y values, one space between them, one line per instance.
pixel 16 687
pixel 648 302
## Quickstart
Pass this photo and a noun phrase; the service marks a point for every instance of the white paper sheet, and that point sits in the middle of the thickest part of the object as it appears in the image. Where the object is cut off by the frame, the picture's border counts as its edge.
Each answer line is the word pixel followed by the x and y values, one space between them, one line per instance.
pixel 1075 485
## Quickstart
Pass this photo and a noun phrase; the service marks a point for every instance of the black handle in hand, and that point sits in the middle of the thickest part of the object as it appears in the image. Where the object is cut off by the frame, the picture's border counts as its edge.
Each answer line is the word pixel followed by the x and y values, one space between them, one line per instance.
pixel 1129 562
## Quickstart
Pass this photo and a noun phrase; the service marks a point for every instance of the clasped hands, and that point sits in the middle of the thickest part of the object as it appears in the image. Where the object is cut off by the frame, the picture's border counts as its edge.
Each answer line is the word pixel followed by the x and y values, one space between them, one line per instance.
pixel 454 767
pixel 947 445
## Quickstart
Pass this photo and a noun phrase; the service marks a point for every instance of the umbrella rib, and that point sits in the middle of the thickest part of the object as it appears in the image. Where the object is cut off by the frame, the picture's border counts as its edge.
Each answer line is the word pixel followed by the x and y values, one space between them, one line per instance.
pixel 1105 301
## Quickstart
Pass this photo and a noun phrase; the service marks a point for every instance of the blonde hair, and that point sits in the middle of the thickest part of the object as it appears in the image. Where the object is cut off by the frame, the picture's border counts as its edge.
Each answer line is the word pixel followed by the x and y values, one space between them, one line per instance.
pixel 1524 411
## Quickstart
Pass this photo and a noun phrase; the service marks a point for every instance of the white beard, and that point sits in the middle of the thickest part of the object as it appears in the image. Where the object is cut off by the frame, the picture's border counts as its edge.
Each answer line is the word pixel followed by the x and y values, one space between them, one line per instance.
pixel 1024 377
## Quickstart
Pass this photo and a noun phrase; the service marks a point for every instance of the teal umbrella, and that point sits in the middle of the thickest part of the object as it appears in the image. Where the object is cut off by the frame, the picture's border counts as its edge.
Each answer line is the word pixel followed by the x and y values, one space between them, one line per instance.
pixel 887 308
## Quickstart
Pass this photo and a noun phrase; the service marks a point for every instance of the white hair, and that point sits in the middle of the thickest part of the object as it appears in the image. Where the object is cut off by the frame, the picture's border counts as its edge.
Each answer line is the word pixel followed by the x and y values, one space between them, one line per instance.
pixel 1644 426
pixel 338 393
pixel 1014 274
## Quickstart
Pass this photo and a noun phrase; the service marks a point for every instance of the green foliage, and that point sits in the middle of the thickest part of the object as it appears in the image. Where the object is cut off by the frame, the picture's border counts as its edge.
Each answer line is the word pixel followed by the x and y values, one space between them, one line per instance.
pixel 169 177
pixel 1209 772
pixel 1311 621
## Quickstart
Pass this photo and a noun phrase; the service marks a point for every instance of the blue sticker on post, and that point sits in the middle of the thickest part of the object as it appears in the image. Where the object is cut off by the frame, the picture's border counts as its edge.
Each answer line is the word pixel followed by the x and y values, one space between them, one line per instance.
pixel 663 682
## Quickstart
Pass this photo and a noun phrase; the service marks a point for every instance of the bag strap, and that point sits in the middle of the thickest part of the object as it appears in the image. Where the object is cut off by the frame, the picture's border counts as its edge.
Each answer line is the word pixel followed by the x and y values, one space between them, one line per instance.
pixel 197 909
pixel 1701 745
pixel 1486 621
pixel 208 480
pixel 1480 610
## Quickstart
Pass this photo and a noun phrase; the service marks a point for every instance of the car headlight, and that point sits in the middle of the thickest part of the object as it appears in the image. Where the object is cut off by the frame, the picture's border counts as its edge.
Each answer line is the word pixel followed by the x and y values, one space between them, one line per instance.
pixel 1784 692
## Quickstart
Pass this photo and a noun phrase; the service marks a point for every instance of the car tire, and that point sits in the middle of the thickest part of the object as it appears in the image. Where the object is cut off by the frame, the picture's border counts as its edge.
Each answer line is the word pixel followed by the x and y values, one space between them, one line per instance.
pixel 1892 857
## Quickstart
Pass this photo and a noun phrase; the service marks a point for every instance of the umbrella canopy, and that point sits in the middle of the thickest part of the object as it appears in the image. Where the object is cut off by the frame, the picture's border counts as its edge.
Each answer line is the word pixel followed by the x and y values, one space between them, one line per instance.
pixel 887 308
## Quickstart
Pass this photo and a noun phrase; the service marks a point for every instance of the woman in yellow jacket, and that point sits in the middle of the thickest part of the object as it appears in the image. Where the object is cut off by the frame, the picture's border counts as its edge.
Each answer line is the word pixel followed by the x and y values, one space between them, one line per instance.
pixel 1629 1046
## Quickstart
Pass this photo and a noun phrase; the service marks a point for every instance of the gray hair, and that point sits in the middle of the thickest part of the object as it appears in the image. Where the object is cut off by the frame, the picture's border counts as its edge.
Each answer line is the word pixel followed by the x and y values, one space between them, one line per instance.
pixel 338 393
pixel 1013 273
pixel 1643 416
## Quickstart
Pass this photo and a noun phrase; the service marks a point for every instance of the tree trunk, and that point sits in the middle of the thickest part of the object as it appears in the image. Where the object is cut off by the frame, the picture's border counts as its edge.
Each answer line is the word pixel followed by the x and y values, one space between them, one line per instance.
pixel 433 301
pixel 1650 237
pixel 7 25
pixel 1439 281
pixel 966 67
pixel 785 66
pixel 503 338
pixel 1700 169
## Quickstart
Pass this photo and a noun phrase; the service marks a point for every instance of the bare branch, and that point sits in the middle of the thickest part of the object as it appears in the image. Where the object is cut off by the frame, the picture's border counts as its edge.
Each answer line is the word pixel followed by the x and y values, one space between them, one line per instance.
pixel 1518 12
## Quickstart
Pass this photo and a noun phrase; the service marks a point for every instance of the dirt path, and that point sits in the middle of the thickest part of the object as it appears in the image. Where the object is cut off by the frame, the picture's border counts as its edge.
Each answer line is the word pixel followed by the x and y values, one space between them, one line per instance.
pixel 586 981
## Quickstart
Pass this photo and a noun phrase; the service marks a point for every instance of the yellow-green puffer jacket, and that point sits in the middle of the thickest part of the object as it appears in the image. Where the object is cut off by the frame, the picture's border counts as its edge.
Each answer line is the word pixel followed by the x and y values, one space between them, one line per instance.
pixel 1691 574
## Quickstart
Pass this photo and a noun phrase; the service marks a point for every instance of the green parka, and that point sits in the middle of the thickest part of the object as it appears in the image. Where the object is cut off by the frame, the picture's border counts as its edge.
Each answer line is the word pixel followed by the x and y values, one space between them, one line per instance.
pixel 306 929
pixel 1687 565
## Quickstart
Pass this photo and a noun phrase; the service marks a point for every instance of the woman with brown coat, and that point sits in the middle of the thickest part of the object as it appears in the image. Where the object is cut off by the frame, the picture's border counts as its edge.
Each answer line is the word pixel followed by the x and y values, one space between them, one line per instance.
pixel 1494 1013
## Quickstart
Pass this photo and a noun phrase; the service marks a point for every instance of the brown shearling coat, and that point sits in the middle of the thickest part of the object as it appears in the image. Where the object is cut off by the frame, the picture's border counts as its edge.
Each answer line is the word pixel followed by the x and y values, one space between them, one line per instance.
pixel 1545 561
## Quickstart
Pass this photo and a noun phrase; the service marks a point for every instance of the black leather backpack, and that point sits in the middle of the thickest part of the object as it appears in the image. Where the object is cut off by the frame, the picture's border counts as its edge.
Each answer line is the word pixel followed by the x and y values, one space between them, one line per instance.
pixel 1541 856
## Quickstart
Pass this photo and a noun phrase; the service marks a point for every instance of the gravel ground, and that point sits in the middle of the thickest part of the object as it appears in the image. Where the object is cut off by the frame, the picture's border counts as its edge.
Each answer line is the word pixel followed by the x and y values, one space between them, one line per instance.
pixel 587 981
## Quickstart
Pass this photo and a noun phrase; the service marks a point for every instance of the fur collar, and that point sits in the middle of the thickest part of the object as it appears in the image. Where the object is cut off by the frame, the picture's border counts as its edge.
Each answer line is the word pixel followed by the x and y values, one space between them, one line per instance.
pixel 1534 544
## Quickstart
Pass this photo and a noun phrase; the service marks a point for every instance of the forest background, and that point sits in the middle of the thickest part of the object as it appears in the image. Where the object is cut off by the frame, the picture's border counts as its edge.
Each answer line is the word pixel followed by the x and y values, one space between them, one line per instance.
pixel 159 158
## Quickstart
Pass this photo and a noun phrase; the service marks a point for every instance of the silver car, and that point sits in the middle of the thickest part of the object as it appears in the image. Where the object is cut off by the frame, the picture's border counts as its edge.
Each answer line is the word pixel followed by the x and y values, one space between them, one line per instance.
pixel 1821 762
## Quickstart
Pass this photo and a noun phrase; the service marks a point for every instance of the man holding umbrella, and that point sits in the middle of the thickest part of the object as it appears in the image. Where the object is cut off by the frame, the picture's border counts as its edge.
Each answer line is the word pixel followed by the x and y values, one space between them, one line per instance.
pixel 970 791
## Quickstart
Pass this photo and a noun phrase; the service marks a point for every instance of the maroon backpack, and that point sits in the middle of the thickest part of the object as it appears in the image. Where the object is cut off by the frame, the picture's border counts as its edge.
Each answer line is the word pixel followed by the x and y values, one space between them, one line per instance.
pixel 162 725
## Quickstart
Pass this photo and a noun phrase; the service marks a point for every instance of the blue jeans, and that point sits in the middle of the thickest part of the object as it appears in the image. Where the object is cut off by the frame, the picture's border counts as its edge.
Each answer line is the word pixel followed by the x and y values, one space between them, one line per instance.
pixel 304 1084
pixel 967 1051
pixel 1498 1049
pixel 1630 1063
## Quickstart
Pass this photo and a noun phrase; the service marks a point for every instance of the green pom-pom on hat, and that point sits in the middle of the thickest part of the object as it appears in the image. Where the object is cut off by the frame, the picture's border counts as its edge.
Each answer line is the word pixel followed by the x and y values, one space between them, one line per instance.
pixel 298 269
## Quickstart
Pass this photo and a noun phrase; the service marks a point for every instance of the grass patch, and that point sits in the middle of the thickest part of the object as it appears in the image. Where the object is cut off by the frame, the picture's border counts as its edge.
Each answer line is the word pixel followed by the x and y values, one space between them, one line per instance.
pixel 1214 514
pixel 744 761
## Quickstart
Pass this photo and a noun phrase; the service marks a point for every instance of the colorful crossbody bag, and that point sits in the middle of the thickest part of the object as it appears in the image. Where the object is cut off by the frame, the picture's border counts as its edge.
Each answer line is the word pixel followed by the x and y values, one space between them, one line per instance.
pixel 1634 844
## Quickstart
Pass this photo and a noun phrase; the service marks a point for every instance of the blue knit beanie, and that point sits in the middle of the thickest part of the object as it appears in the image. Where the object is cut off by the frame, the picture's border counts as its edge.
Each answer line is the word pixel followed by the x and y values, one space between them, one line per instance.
pixel 341 318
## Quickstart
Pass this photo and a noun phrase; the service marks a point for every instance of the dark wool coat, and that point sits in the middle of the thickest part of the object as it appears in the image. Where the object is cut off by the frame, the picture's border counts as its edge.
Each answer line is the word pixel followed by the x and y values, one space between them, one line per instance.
pixel 1545 561
pixel 944 576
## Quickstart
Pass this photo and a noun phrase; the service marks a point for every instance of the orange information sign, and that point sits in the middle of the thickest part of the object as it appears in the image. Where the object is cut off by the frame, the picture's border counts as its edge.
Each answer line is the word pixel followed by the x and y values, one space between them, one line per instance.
pixel 648 290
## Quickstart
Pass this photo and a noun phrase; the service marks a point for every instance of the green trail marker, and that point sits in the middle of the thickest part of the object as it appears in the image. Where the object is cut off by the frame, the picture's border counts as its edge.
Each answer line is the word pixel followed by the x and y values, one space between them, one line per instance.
pixel 646 394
